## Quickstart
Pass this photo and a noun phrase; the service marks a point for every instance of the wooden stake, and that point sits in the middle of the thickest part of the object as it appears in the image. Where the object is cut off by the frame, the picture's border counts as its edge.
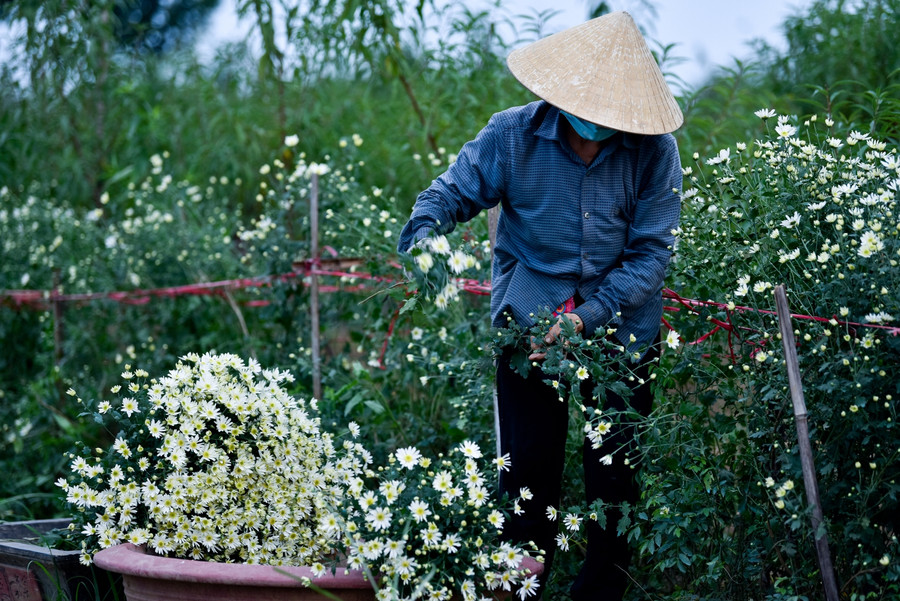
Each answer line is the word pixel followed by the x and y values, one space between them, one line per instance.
pixel 57 306
pixel 314 286
pixel 806 456
pixel 58 336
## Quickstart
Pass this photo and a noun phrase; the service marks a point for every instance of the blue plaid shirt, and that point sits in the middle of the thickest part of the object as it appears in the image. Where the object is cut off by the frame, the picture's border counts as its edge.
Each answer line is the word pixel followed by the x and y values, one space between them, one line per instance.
pixel 603 231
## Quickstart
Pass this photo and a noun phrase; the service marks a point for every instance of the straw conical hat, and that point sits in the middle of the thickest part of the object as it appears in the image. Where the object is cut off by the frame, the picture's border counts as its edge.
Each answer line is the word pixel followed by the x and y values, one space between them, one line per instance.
pixel 603 72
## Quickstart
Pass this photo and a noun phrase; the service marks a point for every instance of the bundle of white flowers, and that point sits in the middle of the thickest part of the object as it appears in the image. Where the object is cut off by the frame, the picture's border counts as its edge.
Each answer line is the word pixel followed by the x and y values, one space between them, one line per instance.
pixel 215 461
pixel 432 530
pixel 436 267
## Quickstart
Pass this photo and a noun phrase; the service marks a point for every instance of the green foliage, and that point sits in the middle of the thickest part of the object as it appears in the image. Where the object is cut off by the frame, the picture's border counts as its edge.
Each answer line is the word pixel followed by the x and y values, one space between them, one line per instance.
pixel 123 172
pixel 817 213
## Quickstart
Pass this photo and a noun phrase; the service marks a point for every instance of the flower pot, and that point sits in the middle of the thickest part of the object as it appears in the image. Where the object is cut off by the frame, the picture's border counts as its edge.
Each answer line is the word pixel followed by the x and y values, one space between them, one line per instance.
pixel 149 577
pixel 32 572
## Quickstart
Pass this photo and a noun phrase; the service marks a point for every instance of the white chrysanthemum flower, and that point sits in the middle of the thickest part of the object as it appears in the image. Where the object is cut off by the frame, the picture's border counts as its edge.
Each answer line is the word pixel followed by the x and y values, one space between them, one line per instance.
pixel 441 301
pixel 440 245
pixel 458 261
pixel 880 317
pixel 120 446
pixel 391 490
pixel 478 495
pixel 672 339
pixel 529 587
pixel 503 462
pixel 572 522
pixel 496 519
pixel 891 162
pixel 764 113
pixel 379 518
pixel 784 257
pixel 425 262
pixel 869 244
pixel 442 481
pixel 791 220
pixel 785 131
pixel 724 156
pixel 419 510
pixel 870 200
pixel 470 449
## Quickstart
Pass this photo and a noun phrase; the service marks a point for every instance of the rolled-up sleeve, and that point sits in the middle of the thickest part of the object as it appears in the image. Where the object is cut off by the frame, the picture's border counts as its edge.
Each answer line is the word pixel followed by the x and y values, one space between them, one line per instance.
pixel 472 183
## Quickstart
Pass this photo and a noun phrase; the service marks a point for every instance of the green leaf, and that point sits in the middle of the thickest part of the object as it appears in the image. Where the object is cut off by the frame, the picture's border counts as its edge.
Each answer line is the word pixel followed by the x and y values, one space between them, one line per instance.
pixel 374 406
pixel 409 305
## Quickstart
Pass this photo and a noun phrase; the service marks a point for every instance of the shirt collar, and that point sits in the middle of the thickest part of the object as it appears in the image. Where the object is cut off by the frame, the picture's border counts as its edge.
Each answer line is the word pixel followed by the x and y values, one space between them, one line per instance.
pixel 550 127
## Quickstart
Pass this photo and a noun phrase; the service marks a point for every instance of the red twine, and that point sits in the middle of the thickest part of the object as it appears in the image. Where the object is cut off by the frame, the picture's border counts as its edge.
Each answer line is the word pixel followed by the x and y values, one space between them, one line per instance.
pixel 42 299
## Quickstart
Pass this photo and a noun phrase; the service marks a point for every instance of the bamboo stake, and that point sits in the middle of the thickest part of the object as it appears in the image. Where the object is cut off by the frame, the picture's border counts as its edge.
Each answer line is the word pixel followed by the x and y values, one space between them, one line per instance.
pixel 57 321
pixel 806 456
pixel 58 336
pixel 314 286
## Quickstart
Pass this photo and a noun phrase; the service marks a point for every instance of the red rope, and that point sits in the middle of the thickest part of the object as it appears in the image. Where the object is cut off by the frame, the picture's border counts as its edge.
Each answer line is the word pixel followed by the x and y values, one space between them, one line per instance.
pixel 690 303
pixel 41 299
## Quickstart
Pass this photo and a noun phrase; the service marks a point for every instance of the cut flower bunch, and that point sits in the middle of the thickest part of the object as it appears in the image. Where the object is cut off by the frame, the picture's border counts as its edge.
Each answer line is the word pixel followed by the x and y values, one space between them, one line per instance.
pixel 214 461
pixel 432 529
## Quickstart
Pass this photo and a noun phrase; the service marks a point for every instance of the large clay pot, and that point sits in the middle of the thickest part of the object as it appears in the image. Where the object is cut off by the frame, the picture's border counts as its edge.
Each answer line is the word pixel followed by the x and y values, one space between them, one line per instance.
pixel 149 577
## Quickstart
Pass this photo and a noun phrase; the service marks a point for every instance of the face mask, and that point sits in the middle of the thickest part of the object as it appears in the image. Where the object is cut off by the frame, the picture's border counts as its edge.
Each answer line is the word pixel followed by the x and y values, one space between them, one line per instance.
pixel 588 130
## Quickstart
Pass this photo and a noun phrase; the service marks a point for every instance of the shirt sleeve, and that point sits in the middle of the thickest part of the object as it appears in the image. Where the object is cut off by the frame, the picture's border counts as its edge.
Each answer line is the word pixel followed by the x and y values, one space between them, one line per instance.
pixel 472 183
pixel 639 276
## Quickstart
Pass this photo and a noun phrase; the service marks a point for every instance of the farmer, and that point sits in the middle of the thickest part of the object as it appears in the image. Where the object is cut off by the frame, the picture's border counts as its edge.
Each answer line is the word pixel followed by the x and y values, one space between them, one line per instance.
pixel 587 180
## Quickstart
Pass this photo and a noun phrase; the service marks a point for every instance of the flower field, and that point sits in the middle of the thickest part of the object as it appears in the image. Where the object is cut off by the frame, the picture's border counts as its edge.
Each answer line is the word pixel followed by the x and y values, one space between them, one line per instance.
pixel 142 251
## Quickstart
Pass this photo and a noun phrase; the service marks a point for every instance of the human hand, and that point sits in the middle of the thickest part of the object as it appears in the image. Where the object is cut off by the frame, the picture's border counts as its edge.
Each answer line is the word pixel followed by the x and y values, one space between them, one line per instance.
pixel 553 335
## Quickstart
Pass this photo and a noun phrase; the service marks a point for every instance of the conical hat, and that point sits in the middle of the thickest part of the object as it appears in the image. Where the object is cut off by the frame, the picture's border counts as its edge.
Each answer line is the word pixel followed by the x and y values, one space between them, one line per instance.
pixel 603 72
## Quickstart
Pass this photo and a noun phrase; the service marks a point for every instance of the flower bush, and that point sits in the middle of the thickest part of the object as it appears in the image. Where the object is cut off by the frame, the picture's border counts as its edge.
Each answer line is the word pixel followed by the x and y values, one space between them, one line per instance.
pixel 432 529
pixel 804 205
pixel 214 461
pixel 815 209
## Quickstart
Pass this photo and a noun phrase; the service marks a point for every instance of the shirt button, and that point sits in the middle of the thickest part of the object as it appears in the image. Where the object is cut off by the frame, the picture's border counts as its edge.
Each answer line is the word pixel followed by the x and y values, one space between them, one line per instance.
pixel 585 255
pixel 587 215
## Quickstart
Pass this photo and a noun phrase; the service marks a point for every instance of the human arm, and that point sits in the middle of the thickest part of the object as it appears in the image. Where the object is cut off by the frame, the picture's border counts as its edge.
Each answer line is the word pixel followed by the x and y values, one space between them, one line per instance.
pixel 472 183
pixel 639 273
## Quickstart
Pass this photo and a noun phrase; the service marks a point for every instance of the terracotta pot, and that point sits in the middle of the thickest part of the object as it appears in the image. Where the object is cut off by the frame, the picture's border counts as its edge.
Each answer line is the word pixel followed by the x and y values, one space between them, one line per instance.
pixel 149 577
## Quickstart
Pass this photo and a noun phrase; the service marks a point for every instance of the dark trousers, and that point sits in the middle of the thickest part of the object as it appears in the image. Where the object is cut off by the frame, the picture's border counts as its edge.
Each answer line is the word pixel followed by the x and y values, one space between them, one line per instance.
pixel 533 430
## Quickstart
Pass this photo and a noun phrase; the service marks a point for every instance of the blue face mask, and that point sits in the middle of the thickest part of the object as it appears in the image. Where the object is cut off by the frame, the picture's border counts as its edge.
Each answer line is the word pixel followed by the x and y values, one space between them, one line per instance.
pixel 588 130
